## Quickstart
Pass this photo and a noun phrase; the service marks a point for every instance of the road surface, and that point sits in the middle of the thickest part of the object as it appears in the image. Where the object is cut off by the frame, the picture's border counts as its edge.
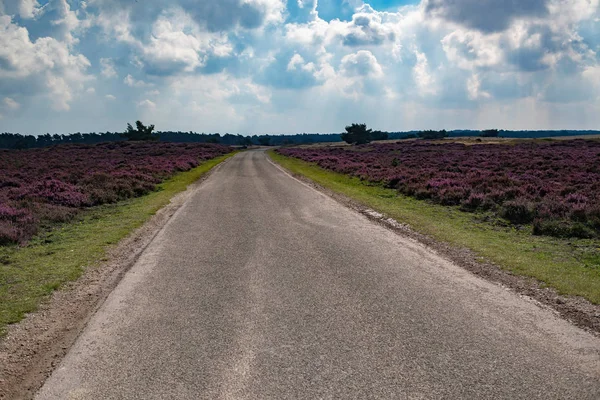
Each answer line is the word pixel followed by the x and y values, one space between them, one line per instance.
pixel 260 287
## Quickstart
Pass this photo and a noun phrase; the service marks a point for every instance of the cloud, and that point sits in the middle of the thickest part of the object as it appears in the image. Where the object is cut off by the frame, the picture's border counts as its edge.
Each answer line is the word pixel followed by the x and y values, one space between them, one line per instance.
pixel 290 70
pixel 367 28
pixel 301 64
pixel 422 75
pixel 147 104
pixel 132 82
pixel 302 10
pixel 108 68
pixel 23 8
pixel 213 16
pixel 44 66
pixel 10 104
pixel 486 15
pixel 362 63
pixel 55 19
pixel 474 89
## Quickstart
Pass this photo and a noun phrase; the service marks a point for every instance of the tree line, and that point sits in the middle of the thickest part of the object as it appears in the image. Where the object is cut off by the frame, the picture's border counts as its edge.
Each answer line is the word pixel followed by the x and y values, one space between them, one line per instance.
pixel 19 141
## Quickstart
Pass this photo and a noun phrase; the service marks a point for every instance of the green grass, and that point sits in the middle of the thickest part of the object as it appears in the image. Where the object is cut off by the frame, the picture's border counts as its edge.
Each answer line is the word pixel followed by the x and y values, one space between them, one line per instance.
pixel 570 266
pixel 28 274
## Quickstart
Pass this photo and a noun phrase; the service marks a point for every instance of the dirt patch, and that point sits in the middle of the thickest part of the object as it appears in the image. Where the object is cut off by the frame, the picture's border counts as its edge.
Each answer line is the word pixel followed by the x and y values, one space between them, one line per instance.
pixel 33 347
pixel 575 309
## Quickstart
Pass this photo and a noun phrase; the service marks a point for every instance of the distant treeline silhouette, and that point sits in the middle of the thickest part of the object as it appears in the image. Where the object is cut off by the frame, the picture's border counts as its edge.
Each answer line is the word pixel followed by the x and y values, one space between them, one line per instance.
pixel 19 141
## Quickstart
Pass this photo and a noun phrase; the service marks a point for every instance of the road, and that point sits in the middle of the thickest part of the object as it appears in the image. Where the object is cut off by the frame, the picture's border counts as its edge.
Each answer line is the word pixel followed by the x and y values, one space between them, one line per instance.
pixel 261 287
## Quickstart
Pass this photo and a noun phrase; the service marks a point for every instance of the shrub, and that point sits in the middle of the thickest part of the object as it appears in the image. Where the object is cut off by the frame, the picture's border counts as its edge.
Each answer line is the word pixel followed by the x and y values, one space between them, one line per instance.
pixel 473 202
pixel 432 135
pixel 49 185
pixel 563 229
pixel 518 211
pixel 548 181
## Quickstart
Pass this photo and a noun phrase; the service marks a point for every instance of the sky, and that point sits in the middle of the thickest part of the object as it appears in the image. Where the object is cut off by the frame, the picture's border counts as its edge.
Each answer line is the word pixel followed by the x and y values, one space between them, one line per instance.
pixel 292 66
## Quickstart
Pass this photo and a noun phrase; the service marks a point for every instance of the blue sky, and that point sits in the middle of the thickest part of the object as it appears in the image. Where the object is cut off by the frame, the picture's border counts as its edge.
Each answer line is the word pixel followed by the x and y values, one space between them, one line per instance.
pixel 286 66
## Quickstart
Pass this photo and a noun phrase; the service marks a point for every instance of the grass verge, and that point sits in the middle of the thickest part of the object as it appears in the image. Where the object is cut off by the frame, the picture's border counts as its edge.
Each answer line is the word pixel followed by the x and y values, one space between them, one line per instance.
pixel 28 274
pixel 570 266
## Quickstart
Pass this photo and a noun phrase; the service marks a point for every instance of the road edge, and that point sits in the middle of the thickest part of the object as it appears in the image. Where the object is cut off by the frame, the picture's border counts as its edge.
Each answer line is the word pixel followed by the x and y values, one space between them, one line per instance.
pixel 575 309
pixel 34 347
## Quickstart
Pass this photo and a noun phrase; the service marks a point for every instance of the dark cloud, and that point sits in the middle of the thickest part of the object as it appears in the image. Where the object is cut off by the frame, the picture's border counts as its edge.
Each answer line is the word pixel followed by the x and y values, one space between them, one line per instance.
pixel 486 15
pixel 216 16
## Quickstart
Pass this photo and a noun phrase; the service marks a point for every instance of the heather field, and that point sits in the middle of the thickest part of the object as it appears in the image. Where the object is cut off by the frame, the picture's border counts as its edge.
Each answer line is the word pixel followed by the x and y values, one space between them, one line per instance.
pixel 40 187
pixel 554 187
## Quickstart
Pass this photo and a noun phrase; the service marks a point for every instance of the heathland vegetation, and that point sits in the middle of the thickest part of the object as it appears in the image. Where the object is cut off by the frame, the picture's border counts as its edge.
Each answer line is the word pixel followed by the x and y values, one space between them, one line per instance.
pixel 555 187
pixel 40 187
pixel 62 207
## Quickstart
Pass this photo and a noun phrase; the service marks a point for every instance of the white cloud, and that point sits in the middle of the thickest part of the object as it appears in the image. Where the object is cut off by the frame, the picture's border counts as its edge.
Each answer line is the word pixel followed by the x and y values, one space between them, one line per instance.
pixel 44 66
pixel 132 82
pixel 24 8
pixel 10 103
pixel 474 88
pixel 171 49
pixel 362 63
pixel 422 76
pixel 295 61
pixel 147 104
pixel 441 63
pixel 107 66
pixel 472 49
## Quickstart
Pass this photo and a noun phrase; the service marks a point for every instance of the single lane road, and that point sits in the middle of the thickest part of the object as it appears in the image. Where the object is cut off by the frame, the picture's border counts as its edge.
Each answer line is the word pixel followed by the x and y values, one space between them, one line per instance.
pixel 261 287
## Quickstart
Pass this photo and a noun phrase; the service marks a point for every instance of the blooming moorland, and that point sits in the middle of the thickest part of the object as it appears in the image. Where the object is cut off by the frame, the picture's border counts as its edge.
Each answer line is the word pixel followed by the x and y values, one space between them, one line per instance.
pixel 50 185
pixel 554 186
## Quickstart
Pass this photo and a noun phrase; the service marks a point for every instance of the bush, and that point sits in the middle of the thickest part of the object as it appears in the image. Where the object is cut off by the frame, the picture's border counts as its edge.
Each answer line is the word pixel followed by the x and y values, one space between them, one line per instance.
pixel 489 133
pixel 518 211
pixel 432 135
pixel 593 217
pixel 562 229
pixel 473 202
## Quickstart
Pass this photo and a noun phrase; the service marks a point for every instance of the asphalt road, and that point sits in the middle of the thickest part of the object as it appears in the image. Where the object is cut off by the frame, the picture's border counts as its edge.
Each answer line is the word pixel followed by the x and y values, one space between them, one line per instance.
pixel 260 287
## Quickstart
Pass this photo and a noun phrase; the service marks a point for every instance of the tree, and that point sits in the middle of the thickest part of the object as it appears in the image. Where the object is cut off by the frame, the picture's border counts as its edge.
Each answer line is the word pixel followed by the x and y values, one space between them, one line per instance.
pixel 264 140
pixel 430 135
pixel 141 132
pixel 357 134
pixel 489 133
pixel 379 135
pixel 214 138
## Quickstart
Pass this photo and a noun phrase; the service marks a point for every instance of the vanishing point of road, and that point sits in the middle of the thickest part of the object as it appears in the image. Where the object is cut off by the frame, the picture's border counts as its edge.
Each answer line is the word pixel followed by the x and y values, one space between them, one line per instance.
pixel 261 287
